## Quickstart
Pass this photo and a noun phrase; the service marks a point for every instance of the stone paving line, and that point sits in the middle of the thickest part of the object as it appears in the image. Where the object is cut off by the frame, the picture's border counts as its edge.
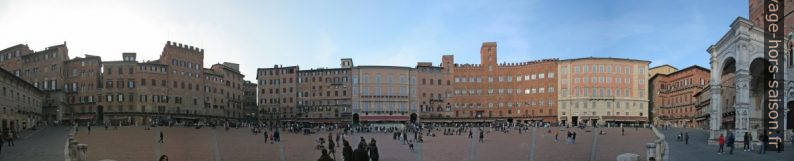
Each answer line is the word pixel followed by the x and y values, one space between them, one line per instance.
pixel 595 143
pixel 158 149
pixel 216 152
pixel 532 149
pixel 472 149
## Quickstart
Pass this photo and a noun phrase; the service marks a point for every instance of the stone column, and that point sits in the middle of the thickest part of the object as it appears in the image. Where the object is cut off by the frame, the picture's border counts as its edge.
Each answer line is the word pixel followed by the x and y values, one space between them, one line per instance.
pixel 73 149
pixel 650 151
pixel 742 102
pixel 715 109
pixel 82 152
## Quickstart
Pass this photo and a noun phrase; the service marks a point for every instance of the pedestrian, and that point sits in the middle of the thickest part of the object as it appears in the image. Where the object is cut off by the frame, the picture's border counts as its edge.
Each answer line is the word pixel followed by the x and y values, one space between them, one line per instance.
pixel 337 139
pixel 324 156
pixel 331 147
pixel 779 142
pixel 163 158
pixel 361 152
pixel 405 138
pixel 11 138
pixel 622 131
pixel 1 145
pixel 686 138
pixel 347 151
pixel 573 138
pixel 764 139
pixel 161 138
pixel 89 129
pixel 747 137
pixel 481 136
pixel 373 150
pixel 731 141
pixel 556 136
pixel 470 133
pixel 265 134
pixel 276 136
pixel 721 141
pixel 792 139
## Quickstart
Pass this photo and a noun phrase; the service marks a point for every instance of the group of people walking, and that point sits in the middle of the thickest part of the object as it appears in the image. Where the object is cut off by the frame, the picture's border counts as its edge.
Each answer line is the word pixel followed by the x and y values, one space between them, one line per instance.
pixel 364 151
pixel 730 141
pixel 7 139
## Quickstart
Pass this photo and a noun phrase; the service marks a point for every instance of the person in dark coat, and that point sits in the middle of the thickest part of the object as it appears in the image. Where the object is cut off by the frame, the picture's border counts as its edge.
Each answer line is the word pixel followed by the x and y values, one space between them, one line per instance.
pixel 325 157
pixel 347 151
pixel 265 134
pixel 360 154
pixel 481 136
pixel 331 147
pixel 686 138
pixel 746 141
pixel 276 136
pixel 373 150
pixel 731 141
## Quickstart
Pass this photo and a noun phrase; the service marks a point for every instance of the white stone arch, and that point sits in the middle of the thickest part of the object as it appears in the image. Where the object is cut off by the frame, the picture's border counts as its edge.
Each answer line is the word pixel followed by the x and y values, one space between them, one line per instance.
pixel 743 44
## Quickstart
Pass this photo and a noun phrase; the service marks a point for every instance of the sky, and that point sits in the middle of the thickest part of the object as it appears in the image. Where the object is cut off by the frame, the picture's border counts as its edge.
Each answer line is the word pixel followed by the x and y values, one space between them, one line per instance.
pixel 318 33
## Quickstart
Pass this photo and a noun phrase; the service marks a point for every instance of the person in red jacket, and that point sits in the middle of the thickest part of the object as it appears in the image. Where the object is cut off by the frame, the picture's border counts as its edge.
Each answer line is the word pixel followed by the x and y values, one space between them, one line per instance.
pixel 722 144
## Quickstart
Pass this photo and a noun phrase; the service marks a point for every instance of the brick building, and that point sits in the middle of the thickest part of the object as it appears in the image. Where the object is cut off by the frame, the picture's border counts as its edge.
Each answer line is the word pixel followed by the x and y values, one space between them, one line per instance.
pixel 434 91
pixel 662 69
pixel 277 92
pixel 249 99
pixel 489 91
pixel 44 69
pixel 128 91
pixel 673 100
pixel 603 91
pixel 703 100
pixel 21 103
pixel 324 95
pixel 369 93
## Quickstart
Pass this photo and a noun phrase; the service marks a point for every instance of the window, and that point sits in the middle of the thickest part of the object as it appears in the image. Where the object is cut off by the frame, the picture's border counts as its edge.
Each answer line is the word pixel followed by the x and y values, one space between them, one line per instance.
pixel 130 83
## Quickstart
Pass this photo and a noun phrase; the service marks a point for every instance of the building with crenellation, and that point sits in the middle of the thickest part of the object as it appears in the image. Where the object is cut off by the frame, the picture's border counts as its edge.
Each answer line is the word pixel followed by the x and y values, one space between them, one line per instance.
pixel 174 87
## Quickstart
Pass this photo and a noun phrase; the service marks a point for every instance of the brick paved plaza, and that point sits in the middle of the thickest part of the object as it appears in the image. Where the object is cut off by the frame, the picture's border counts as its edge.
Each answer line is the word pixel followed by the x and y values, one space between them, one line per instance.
pixel 135 143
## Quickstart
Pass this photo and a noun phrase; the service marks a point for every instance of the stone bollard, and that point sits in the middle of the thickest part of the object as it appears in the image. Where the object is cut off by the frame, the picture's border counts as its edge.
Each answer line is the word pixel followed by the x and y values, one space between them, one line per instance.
pixel 73 150
pixel 650 149
pixel 82 152
pixel 628 157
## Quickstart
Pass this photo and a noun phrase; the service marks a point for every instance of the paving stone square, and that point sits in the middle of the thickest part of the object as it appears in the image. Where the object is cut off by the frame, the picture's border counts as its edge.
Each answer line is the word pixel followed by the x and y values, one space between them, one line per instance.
pixel 205 144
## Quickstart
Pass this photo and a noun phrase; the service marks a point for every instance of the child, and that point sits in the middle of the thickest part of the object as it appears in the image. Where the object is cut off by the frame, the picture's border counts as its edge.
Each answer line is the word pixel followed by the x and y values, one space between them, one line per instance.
pixel 411 146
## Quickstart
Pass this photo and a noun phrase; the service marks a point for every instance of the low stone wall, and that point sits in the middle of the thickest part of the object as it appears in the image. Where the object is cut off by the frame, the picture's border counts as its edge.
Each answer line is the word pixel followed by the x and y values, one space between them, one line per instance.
pixel 75 151
pixel 661 148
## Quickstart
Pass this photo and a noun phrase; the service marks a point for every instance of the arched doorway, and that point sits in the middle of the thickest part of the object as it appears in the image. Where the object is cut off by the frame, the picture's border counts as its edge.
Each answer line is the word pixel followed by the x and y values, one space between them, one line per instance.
pixel 100 114
pixel 355 119
pixel 758 80
pixel 413 117
pixel 728 86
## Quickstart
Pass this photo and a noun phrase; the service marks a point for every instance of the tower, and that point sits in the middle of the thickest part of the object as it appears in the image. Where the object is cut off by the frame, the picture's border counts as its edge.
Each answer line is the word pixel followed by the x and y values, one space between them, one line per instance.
pixel 488 55
pixel 347 63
